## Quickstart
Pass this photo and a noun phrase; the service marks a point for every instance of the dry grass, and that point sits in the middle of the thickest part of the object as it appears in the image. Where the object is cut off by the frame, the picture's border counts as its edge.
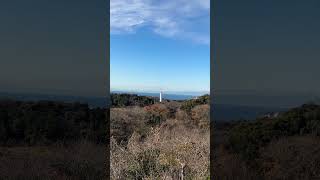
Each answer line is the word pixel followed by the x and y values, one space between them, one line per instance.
pixel 82 160
pixel 173 149
pixel 229 166
pixel 124 121
pixel 292 158
pixel 289 158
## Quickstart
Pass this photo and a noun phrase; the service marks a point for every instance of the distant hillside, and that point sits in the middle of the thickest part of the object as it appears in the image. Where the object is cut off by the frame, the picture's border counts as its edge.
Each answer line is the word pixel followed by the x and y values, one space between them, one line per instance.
pixel 281 145
pixel 246 137
pixel 46 122
pixel 123 100
pixel 93 102
pixel 201 100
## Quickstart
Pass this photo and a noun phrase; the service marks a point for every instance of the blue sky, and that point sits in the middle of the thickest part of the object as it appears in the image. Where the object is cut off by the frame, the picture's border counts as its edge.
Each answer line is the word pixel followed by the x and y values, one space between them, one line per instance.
pixel 54 47
pixel 160 46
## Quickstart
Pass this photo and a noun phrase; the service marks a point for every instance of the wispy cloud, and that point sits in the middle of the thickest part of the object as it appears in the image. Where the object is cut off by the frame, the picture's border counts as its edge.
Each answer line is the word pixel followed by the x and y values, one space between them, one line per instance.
pixel 179 19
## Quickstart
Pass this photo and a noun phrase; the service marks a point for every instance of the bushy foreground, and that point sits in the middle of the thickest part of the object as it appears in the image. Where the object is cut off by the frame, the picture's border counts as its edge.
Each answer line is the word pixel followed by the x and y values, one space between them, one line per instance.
pixel 283 147
pixel 46 122
pixel 79 160
pixel 52 140
pixel 160 141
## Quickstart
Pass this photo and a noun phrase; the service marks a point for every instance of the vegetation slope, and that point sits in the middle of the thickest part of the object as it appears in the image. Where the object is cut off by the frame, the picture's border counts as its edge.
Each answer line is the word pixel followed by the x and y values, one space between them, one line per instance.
pixel 283 147
pixel 167 140
pixel 52 140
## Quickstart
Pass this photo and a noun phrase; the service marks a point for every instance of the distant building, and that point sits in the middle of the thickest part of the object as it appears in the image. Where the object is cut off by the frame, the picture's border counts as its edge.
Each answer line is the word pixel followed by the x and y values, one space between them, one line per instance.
pixel 160 99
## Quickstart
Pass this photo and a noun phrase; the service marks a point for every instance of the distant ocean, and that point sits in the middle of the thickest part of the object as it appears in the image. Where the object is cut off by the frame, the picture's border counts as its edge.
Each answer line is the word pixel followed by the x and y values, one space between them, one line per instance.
pixel 92 101
pixel 230 112
pixel 164 95
pixel 221 112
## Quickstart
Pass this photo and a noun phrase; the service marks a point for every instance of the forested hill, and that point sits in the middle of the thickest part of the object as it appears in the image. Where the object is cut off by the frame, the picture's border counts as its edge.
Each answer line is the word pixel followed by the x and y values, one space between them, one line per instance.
pixel 45 122
pixel 122 100
pixel 189 104
pixel 247 137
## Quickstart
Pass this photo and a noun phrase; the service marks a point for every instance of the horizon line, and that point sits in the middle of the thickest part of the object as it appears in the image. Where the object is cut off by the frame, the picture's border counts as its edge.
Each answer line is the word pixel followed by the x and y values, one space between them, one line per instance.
pixel 163 91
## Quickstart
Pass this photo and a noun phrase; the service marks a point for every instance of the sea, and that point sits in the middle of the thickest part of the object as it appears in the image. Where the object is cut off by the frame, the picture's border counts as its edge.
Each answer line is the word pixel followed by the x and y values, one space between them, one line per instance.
pixel 90 100
pixel 169 96
pixel 221 112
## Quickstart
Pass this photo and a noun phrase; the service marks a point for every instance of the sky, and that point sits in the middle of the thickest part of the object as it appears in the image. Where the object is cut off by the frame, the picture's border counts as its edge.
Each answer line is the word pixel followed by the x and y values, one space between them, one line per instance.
pixel 160 45
pixel 271 47
pixel 53 47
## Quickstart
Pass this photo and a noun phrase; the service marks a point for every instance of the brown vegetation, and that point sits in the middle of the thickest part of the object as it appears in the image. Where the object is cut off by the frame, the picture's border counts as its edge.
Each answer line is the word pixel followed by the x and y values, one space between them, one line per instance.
pixel 80 160
pixel 286 147
pixel 160 141
pixel 52 140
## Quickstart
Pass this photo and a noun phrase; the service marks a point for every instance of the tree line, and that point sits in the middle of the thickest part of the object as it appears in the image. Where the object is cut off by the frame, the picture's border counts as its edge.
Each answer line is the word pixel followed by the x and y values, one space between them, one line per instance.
pixel 247 137
pixel 45 122
pixel 123 100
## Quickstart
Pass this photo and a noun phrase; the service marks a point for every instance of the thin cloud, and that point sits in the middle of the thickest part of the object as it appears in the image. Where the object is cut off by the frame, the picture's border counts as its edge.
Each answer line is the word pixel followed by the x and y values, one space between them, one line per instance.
pixel 179 19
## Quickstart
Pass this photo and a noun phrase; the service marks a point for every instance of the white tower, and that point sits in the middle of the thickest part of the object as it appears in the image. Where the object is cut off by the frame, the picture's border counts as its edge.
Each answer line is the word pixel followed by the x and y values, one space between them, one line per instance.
pixel 160 96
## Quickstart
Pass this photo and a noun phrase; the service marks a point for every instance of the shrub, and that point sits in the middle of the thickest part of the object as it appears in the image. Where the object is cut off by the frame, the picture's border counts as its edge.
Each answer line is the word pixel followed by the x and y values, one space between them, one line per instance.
pixel 247 137
pixel 201 116
pixel 46 122
pixel 157 113
pixel 189 104
pixel 124 100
